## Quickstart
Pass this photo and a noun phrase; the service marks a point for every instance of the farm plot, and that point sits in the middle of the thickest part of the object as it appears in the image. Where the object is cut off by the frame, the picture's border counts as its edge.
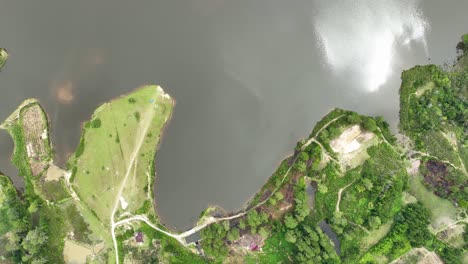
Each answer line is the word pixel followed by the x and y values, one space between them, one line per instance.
pixel 35 130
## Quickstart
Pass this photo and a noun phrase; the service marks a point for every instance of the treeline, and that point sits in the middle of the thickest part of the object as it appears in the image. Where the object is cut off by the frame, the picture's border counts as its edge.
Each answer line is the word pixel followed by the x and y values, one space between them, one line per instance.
pixel 20 240
pixel 37 235
pixel 376 194
pixel 310 244
pixel 216 237
pixel 410 230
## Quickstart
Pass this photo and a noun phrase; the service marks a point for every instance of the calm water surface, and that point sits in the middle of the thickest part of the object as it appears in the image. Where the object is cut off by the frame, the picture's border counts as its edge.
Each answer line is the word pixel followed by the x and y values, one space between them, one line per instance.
pixel 249 78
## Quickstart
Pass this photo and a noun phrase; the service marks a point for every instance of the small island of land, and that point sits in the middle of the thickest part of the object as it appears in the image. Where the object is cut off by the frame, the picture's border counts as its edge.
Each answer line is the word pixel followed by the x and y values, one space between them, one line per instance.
pixel 352 192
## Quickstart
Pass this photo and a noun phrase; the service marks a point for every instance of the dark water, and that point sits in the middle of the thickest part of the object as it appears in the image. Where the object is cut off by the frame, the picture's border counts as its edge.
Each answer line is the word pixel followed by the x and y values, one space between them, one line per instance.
pixel 326 228
pixel 248 77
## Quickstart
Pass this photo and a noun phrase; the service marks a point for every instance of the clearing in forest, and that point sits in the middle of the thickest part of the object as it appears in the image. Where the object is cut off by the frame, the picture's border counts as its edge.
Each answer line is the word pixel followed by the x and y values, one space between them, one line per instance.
pixel 420 256
pixel 74 253
pixel 351 145
pixel 114 159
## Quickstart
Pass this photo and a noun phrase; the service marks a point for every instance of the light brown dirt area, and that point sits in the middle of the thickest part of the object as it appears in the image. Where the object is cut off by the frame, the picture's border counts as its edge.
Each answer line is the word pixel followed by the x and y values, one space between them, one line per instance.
pixel 426 87
pixel 419 256
pixel 36 136
pixel 414 168
pixel 352 144
pixel 54 173
pixel 74 253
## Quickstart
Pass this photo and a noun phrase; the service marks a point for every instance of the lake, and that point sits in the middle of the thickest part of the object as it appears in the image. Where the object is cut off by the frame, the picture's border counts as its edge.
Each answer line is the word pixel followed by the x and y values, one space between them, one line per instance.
pixel 250 77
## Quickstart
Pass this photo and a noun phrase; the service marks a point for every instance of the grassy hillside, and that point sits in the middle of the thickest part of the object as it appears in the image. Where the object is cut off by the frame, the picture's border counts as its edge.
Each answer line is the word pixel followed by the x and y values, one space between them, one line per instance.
pixel 112 165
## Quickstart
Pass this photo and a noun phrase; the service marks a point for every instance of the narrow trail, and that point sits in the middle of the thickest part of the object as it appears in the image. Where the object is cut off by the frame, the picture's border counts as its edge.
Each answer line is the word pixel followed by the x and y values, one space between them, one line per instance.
pixel 439 159
pixel 337 209
pixel 147 121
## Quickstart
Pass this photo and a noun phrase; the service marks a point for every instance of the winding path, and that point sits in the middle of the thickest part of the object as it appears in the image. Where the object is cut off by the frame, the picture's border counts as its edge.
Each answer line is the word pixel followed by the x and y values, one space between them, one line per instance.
pixel 337 209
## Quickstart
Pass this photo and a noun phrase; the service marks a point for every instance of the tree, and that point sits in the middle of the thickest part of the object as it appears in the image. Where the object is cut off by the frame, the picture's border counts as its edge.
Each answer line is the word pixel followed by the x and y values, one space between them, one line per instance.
pixel 253 219
pixel 272 201
pixel 233 234
pixel 96 123
pixel 264 232
pixel 290 236
pixel 369 124
pixel 300 166
pixel 242 224
pixel 226 225
pixel 374 222
pixel 324 137
pixel 279 196
pixel 367 184
pixel 290 222
pixel 354 118
pixel 322 188
pixel 33 242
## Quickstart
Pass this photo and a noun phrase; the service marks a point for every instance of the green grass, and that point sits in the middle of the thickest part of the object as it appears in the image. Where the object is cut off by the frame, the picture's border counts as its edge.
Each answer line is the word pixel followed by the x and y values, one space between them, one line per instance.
pixel 437 145
pixel 375 236
pixel 54 190
pixel 105 164
pixel 77 223
pixel 276 250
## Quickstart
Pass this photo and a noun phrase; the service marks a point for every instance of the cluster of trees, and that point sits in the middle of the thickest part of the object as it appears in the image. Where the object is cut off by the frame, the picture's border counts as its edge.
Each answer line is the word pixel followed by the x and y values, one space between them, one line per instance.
pixel 217 235
pixel 308 160
pixel 311 244
pixel 410 230
pixel 95 123
pixel 214 239
pixel 253 221
pixel 278 196
pixel 376 194
pixel 435 108
pixel 301 209
pixel 21 241
pixel 438 106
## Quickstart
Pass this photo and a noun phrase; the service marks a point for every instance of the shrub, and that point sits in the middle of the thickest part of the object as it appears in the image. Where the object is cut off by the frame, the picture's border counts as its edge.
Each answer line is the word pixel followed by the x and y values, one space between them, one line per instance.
pixel 96 123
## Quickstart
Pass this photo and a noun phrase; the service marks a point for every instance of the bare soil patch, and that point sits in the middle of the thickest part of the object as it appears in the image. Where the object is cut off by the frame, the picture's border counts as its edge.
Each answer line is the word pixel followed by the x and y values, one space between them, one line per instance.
pixel 54 173
pixel 419 256
pixel 74 253
pixel 351 145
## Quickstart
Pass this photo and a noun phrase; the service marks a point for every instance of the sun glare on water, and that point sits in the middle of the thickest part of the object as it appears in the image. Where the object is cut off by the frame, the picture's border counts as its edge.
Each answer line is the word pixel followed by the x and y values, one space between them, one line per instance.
pixel 361 36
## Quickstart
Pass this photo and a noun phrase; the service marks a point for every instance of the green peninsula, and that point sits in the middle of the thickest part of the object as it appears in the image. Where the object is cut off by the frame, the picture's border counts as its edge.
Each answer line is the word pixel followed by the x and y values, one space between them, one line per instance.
pixel 352 192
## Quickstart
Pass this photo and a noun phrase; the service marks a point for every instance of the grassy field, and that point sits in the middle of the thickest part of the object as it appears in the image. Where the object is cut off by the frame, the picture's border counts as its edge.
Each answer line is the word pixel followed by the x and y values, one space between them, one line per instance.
pixel 113 162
